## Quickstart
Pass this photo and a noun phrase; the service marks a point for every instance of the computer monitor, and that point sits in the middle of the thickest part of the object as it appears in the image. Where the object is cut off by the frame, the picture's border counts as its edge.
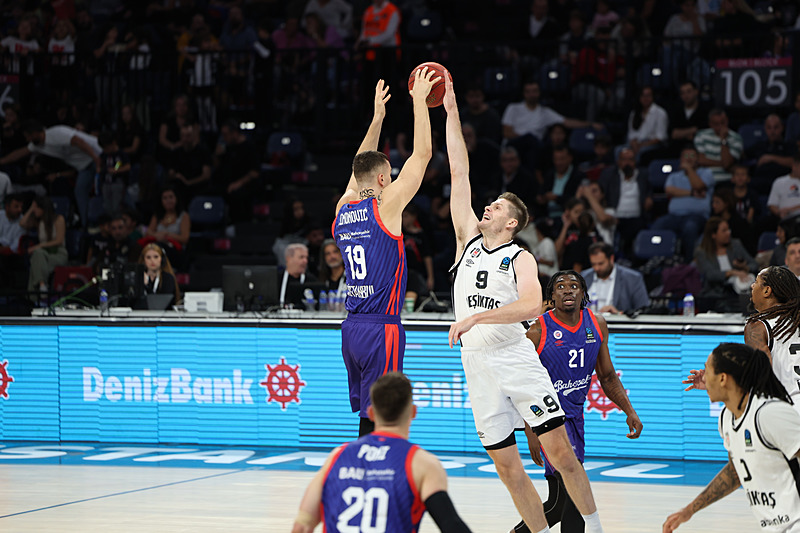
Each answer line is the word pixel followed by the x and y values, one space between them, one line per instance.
pixel 124 284
pixel 252 288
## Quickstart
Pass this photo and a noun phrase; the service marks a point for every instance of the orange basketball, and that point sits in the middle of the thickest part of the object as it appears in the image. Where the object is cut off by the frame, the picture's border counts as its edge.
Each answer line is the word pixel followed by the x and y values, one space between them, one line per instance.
pixel 436 95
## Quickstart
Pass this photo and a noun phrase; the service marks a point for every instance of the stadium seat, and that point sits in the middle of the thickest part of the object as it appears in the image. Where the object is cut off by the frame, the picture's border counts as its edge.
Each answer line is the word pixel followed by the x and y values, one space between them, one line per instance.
pixel 501 82
pixel 581 141
pixel 654 243
pixel 555 79
pixel 752 134
pixel 767 241
pixel 425 27
pixel 207 214
pixel 285 149
pixel 68 278
pixel 656 76
pixel 659 170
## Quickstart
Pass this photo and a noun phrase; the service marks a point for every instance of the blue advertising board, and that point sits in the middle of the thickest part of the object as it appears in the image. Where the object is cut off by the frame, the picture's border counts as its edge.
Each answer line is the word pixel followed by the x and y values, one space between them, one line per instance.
pixel 287 386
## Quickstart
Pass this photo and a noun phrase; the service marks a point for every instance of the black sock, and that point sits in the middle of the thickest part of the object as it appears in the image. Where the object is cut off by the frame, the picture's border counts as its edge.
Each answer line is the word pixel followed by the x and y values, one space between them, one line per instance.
pixel 521 528
pixel 571 519
pixel 365 426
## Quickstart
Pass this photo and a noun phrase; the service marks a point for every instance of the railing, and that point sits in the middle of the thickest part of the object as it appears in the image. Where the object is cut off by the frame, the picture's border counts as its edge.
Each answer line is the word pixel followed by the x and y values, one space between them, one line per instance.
pixel 327 93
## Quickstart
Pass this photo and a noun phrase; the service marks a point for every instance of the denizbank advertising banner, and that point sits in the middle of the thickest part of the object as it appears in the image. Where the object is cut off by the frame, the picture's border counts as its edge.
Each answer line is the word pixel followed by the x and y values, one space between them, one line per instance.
pixel 273 386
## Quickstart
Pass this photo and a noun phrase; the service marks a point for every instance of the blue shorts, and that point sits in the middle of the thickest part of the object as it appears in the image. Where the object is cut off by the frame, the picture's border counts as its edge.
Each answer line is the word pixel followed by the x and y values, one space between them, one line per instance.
pixel 574 427
pixel 372 345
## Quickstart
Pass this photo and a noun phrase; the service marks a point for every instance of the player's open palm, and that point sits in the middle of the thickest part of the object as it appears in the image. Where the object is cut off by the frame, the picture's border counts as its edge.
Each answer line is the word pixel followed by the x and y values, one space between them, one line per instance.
pixel 696 380
pixel 381 97
pixel 423 82
pixel 449 100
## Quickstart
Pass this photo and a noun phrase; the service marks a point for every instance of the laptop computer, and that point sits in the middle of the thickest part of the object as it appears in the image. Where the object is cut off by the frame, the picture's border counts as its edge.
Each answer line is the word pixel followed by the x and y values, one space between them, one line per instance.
pixel 159 302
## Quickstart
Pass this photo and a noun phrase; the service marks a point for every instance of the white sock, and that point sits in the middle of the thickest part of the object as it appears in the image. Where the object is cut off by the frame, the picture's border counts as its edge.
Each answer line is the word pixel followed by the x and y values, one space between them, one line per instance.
pixel 545 530
pixel 592 523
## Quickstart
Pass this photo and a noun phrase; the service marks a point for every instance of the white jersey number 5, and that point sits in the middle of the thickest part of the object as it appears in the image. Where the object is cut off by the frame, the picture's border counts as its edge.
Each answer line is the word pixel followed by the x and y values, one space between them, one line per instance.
pixel 375 505
pixel 357 260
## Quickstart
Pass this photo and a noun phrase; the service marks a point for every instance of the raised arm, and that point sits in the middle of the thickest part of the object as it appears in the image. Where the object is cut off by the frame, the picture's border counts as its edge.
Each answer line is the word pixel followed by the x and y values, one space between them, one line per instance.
pixel 464 220
pixel 528 306
pixel 612 386
pixel 373 135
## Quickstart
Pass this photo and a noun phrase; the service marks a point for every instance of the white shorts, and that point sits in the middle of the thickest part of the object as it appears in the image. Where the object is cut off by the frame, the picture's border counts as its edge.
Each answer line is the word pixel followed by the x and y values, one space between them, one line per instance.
pixel 507 384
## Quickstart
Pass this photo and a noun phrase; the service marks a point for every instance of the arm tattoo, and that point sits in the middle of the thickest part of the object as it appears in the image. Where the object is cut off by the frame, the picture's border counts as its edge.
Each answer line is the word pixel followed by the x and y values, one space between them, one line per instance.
pixel 723 484
pixel 755 336
pixel 615 392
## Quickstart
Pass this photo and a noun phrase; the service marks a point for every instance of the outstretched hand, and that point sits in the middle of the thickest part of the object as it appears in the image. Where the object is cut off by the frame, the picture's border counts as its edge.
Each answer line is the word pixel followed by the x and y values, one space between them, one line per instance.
pixel 381 97
pixel 459 328
pixel 449 100
pixel 696 380
pixel 675 519
pixel 423 82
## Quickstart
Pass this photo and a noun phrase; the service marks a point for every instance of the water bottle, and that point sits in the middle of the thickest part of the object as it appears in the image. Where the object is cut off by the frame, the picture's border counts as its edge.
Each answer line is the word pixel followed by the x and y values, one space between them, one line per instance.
pixel 333 299
pixel 103 300
pixel 688 305
pixel 323 301
pixel 340 299
pixel 593 300
pixel 308 296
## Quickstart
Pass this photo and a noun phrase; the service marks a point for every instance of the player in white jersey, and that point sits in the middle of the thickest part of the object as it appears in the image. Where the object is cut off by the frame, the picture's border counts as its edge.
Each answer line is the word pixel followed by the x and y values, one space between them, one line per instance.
pixel 774 328
pixel 495 290
pixel 761 432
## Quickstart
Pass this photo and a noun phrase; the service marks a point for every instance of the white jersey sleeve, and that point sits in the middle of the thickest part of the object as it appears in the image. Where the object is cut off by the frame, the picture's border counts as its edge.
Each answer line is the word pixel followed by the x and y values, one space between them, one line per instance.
pixel 778 425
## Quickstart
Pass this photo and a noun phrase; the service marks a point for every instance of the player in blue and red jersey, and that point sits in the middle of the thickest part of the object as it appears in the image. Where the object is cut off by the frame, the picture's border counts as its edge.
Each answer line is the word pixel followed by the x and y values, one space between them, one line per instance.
pixel 573 344
pixel 368 231
pixel 380 482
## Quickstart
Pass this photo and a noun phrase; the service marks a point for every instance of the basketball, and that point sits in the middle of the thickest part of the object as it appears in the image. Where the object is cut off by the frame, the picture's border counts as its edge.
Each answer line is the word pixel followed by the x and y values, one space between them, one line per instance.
pixel 436 96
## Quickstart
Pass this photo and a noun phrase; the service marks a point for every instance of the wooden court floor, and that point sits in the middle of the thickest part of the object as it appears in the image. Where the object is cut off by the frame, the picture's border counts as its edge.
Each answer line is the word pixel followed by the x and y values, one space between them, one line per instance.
pixel 78 498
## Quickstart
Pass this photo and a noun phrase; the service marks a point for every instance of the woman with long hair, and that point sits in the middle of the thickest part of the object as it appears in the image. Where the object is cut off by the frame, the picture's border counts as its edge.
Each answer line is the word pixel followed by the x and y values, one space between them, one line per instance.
pixel 159 278
pixel 51 251
pixel 647 124
pixel 331 266
pixel 726 267
pixel 170 225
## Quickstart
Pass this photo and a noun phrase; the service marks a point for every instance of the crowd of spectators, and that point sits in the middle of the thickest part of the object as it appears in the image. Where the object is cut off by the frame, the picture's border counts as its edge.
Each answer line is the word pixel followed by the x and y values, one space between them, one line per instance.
pixel 127 111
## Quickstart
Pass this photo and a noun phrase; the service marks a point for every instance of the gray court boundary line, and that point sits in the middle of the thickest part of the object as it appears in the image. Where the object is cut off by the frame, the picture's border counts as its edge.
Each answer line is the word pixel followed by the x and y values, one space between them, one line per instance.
pixel 129 492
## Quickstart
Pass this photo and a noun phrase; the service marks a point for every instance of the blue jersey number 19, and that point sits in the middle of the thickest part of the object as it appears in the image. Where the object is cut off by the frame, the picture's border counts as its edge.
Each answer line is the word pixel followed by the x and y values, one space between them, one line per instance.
pixel 357 260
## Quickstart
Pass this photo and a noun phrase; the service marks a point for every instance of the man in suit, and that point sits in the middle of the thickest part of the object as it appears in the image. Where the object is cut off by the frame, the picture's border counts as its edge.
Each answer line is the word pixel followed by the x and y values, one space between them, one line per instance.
pixel 616 289
pixel 627 191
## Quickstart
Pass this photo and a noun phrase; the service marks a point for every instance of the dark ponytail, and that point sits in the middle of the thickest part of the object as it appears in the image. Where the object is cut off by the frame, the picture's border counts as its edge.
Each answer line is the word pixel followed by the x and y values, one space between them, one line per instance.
pixel 750 369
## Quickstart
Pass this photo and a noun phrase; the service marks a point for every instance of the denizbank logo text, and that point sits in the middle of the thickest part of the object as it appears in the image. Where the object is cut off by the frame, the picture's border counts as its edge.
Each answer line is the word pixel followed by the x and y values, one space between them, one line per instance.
pixel 179 386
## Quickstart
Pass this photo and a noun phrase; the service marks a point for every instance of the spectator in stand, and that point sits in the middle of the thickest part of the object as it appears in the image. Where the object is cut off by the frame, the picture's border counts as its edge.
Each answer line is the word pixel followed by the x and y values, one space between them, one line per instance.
pixel 773 155
pixel 572 42
pixel 480 115
pixel 615 288
pixel 50 251
pixel 596 71
pixel 190 164
pixel 12 136
pixel 603 158
pixel 689 191
pixel 647 126
pixel 686 119
pixel 561 183
pixel 295 273
pixel 62 47
pixel 784 196
pixel 793 123
pixel 331 267
pixel 169 133
pixel 75 148
pixel 792 260
pixel 576 253
pixel 725 266
pixel 237 171
pixel 515 178
pixel 568 230
pixel 604 17
pixel 336 14
pixel 323 36
pixel 289 37
pixel 557 135
pixel 604 220
pixel 718 146
pixel 19 46
pixel 738 20
pixel 11 231
pixel 197 28
pixel 99 242
pixel 237 35
pixel 115 174
pixel 130 133
pixel 296 221
pixel 632 35
pixel 539 26
pixel 170 226
pixel 159 277
pixel 744 197
pixel 525 123
pixel 545 249
pixel 419 254
pixel 687 25
pixel 132 227
pixel 122 249
pixel 723 205
pixel 380 27
pixel 787 229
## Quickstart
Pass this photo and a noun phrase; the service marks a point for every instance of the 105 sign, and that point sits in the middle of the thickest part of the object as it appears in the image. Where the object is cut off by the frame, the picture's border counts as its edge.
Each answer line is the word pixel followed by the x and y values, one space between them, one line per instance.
pixel 755 82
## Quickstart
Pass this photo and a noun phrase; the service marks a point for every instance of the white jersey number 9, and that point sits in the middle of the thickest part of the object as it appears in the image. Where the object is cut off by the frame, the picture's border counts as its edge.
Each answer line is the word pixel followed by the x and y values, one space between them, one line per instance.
pixel 375 505
pixel 357 260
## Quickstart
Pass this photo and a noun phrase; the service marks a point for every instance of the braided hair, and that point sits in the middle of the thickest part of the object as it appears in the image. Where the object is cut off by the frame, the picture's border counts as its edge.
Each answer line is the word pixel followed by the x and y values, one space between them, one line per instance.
pixel 750 369
pixel 786 288
pixel 551 285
